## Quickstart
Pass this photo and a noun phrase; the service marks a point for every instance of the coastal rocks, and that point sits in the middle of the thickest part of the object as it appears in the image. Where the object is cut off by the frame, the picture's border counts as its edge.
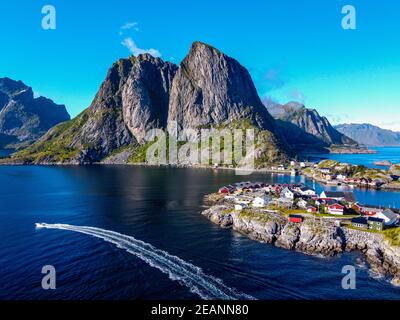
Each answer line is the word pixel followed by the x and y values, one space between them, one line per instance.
pixel 316 239
pixel 396 281
pixel 118 158
pixel 375 260
pixel 395 169
pixel 260 231
pixel 289 236
pixel 321 238
pixel 219 215
pixel 394 185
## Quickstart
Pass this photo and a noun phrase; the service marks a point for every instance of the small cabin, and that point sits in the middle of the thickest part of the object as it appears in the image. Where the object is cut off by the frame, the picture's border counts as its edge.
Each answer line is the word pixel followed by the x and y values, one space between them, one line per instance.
pixel 295 218
pixel 223 190
pixel 376 223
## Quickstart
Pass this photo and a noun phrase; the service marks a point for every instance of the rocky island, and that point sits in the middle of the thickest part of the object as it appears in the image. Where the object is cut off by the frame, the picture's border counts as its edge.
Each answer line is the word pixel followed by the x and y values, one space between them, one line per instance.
pixel 314 233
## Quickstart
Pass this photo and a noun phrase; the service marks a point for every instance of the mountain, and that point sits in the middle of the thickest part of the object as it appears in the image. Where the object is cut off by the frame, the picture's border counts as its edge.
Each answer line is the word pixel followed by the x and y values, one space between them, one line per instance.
pixel 305 128
pixel 208 89
pixel 370 135
pixel 212 88
pixel 23 118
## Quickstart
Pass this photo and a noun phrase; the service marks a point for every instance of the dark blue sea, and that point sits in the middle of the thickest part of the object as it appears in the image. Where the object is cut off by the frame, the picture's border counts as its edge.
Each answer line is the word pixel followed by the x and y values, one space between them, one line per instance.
pixel 140 235
pixel 391 154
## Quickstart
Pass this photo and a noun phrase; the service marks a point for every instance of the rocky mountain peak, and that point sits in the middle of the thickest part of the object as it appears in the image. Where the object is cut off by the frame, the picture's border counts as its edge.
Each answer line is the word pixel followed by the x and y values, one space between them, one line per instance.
pixel 142 92
pixel 306 127
pixel 370 135
pixel 24 118
pixel 11 87
pixel 211 88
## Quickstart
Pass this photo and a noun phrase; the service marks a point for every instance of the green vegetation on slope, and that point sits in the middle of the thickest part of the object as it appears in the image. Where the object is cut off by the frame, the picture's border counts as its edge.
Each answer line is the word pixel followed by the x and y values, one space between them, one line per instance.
pixel 55 145
pixel 393 236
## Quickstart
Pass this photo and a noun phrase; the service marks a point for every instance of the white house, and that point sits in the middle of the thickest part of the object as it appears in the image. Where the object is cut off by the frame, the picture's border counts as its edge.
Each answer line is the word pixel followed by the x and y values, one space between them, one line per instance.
pixel 287 193
pixel 240 207
pixel 325 170
pixel 389 217
pixel 261 201
pixel 302 203
pixel 336 208
pixel 341 177
pixel 305 191
pixel 243 200
pixel 267 189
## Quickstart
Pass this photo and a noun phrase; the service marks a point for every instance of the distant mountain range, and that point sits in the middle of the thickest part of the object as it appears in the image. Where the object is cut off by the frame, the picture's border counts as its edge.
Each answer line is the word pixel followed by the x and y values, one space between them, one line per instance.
pixel 370 135
pixel 23 118
pixel 305 128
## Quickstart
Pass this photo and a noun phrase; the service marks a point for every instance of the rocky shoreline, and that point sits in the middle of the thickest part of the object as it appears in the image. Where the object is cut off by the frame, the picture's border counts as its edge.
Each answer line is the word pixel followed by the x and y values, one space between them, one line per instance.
pixel 321 237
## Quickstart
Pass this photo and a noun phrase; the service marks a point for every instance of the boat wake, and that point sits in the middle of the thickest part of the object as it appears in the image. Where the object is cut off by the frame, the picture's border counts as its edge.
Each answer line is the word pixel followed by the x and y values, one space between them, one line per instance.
pixel 205 286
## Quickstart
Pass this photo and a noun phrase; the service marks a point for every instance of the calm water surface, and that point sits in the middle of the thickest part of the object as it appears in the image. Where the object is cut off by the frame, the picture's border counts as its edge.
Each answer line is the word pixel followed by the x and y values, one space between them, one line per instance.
pixel 391 154
pixel 160 207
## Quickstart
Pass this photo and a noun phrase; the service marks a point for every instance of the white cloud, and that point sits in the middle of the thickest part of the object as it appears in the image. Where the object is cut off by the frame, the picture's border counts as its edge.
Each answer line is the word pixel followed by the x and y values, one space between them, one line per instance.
pixel 130 25
pixel 339 118
pixel 135 50
pixel 297 95
pixel 390 125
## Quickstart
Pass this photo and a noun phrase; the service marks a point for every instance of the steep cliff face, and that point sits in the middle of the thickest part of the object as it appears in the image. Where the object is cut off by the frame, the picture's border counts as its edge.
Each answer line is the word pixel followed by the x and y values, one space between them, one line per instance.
pixel 314 129
pixel 370 135
pixel 133 98
pixel 23 118
pixel 211 88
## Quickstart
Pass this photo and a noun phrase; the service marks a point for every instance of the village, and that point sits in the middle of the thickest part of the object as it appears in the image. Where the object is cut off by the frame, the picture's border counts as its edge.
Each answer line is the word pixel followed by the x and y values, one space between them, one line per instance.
pixel 334 173
pixel 298 202
pixel 344 174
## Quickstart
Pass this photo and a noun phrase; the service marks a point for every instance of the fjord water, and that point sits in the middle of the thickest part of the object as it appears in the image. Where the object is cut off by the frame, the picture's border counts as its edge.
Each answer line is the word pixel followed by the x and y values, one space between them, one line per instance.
pixel 391 154
pixel 158 209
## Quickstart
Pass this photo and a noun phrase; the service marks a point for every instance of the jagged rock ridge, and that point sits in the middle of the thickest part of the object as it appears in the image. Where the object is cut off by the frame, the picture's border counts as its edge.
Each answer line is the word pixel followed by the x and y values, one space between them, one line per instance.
pixel 140 93
pixel 315 130
pixel 24 118
pixel 212 88
pixel 370 135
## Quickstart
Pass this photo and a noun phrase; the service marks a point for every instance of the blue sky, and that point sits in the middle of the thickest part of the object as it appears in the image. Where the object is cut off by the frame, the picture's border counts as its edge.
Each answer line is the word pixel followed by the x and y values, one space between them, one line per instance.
pixel 294 50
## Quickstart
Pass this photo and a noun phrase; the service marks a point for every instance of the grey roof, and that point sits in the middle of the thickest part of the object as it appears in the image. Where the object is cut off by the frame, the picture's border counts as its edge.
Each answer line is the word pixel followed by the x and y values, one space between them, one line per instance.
pixel 335 194
pixel 376 220
pixel 390 214
pixel 359 220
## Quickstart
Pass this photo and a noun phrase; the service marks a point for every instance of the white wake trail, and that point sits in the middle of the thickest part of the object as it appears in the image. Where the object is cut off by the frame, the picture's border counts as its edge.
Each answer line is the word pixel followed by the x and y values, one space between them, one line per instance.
pixel 205 286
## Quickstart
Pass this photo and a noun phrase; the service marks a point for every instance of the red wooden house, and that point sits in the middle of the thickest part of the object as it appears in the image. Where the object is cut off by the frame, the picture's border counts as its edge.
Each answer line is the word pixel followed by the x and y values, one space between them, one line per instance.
pixel 336 208
pixel 224 190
